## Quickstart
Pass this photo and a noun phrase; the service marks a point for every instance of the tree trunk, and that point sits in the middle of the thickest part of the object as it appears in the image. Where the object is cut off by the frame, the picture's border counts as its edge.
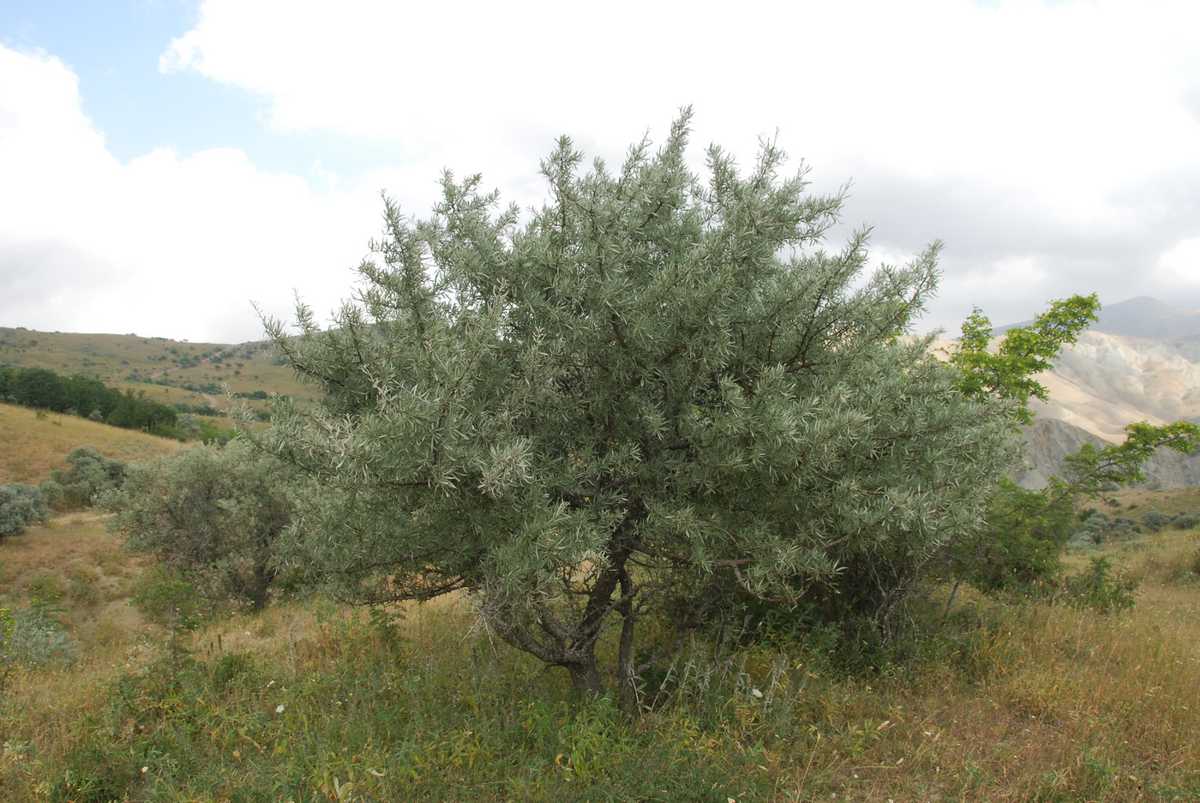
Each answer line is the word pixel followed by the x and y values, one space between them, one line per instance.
pixel 950 601
pixel 627 691
pixel 258 586
pixel 585 679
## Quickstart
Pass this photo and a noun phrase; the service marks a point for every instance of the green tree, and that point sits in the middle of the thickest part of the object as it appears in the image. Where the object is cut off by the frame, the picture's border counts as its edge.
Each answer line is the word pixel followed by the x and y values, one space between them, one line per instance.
pixel 657 391
pixel 38 387
pixel 1027 530
pixel 1092 470
pixel 214 513
pixel 1010 370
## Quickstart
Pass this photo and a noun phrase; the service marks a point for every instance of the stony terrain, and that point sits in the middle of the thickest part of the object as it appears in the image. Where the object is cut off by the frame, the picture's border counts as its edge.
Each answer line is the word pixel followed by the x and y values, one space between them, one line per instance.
pixel 1139 362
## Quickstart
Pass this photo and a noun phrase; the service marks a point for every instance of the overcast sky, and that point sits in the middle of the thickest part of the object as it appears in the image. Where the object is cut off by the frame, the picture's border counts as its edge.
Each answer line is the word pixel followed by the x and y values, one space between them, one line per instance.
pixel 165 163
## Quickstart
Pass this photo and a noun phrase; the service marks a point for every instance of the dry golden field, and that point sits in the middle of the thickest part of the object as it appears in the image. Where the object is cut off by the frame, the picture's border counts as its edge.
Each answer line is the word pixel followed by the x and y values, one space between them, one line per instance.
pixel 32 444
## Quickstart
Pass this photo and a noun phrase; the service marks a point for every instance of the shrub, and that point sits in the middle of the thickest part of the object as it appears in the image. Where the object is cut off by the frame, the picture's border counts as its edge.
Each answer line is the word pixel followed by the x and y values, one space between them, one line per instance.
pixel 88 476
pixel 662 378
pixel 1099 589
pixel 167 598
pixel 53 493
pixel 1155 521
pixel 214 513
pixel 20 506
pixel 36 638
pixel 1020 548
pixel 1186 521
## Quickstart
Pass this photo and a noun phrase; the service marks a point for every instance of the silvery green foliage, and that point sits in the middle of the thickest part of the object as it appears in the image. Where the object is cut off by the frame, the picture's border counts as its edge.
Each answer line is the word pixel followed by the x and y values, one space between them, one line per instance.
pixel 20 506
pixel 214 512
pixel 660 390
pixel 33 637
pixel 88 476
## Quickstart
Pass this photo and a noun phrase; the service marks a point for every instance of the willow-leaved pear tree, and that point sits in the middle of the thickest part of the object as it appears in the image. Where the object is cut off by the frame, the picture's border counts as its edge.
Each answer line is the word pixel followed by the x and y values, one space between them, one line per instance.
pixel 655 388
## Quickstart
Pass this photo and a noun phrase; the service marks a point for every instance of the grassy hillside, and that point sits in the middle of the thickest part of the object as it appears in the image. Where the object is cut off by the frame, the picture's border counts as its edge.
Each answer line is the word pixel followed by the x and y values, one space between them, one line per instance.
pixel 312 701
pixel 140 362
pixel 32 444
pixel 1137 501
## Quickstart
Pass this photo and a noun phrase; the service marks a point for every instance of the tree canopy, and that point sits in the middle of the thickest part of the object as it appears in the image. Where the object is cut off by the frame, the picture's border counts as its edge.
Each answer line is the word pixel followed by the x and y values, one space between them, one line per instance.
pixel 658 394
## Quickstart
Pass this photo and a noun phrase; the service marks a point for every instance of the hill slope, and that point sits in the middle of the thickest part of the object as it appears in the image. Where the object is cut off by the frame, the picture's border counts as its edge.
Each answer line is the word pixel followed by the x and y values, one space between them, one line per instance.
pixel 32 445
pixel 168 371
pixel 1049 440
pixel 1142 317
pixel 1106 381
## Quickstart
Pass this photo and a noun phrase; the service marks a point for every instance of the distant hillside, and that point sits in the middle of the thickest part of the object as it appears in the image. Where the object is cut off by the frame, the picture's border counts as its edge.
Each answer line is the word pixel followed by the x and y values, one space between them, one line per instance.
pixel 1149 318
pixel 1048 441
pixel 1143 317
pixel 168 371
pixel 1139 362
pixel 1105 381
pixel 32 445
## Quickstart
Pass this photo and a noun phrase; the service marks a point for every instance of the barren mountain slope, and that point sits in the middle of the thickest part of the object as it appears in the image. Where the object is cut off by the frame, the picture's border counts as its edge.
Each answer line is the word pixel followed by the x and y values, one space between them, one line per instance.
pixel 1105 381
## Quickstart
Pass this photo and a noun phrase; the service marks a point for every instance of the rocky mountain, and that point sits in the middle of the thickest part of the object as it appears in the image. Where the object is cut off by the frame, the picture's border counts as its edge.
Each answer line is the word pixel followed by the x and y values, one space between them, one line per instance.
pixel 1139 362
pixel 1143 317
pixel 1049 440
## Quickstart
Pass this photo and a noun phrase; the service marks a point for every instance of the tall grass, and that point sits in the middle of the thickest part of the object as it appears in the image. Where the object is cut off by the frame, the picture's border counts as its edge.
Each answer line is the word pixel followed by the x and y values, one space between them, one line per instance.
pixel 1012 701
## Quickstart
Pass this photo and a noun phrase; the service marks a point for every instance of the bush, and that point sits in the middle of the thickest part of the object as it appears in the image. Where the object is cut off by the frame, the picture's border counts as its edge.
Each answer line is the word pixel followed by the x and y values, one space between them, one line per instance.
pixel 88 476
pixel 1186 521
pixel 1021 546
pixel 36 638
pixel 1092 528
pixel 212 512
pixel 1155 521
pixel 1099 589
pixel 1099 528
pixel 20 506
pixel 662 377
pixel 166 598
pixel 53 493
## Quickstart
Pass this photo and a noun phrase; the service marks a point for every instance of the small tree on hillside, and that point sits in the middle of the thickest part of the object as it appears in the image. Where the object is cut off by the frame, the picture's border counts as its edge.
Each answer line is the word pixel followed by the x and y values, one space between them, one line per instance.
pixel 213 512
pixel 1027 530
pixel 87 476
pixel 655 390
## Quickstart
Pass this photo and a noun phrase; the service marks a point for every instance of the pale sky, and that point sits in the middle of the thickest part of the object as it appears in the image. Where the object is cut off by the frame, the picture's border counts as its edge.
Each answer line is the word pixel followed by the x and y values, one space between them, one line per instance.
pixel 164 163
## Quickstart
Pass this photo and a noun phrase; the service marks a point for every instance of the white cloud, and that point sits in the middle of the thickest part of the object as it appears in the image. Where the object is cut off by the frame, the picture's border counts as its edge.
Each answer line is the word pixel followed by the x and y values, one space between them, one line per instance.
pixel 1052 145
pixel 1062 102
pixel 1037 125
pixel 161 244
pixel 1181 263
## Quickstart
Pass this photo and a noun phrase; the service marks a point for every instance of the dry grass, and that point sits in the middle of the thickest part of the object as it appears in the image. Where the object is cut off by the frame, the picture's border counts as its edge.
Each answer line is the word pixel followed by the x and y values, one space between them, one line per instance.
pixel 1136 501
pixel 31 445
pixel 78 558
pixel 1030 702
